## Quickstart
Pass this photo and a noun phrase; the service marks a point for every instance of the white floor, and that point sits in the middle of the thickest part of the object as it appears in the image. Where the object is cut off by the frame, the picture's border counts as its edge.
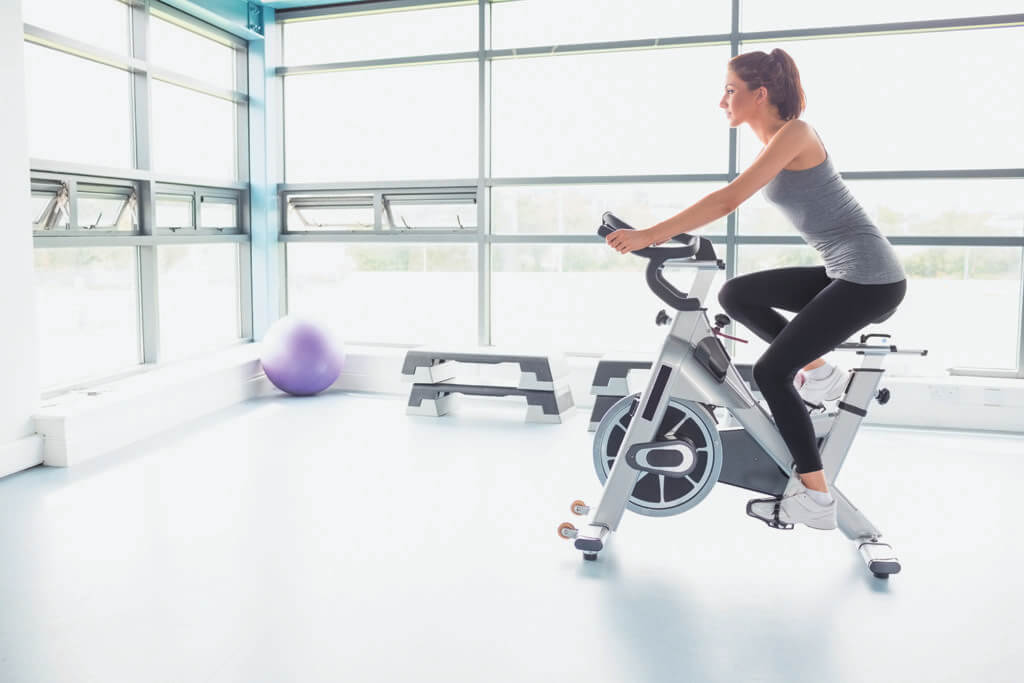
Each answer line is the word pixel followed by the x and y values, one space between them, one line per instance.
pixel 337 539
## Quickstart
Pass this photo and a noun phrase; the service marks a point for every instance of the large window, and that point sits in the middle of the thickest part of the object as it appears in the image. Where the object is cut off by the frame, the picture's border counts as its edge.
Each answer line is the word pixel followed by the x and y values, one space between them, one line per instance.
pixel 613 113
pixel 363 125
pixel 536 23
pixel 88 313
pixel 100 130
pixel 136 131
pixel 792 14
pixel 386 293
pixel 864 97
pixel 557 112
pixel 571 209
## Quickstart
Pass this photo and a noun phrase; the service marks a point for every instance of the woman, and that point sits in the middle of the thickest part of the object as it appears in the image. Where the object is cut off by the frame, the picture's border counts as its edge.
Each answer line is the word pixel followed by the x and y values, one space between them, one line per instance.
pixel 862 279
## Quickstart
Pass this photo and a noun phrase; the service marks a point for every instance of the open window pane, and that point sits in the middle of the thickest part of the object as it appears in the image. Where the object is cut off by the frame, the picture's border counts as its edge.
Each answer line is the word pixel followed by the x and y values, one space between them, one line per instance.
pixel 106 209
pixel 577 209
pixel 929 207
pixel 382 124
pixel 191 54
pixel 78 111
pixel 791 14
pixel 199 298
pixel 404 33
pixel 529 23
pixel 103 23
pixel 320 212
pixel 560 297
pixel 193 133
pixel 40 202
pixel 412 213
pixel 869 112
pixel 218 213
pixel 174 211
pixel 641 112
pixel 51 206
pixel 87 312
pixel 400 294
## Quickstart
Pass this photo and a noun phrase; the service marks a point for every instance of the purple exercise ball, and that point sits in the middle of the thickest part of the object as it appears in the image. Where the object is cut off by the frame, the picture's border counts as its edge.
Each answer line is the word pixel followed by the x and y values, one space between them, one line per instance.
pixel 300 356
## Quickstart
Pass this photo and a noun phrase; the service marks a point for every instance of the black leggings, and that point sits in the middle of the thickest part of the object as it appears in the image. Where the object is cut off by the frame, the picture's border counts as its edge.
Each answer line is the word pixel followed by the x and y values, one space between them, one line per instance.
pixel 827 312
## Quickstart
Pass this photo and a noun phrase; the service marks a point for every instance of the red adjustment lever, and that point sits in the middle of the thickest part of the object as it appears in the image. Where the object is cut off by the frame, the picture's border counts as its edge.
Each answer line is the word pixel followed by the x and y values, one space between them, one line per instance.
pixel 719 333
pixel 721 320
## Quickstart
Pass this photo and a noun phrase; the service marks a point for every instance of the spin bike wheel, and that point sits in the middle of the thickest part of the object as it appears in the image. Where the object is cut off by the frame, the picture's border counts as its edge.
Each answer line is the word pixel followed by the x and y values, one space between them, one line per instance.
pixel 656 495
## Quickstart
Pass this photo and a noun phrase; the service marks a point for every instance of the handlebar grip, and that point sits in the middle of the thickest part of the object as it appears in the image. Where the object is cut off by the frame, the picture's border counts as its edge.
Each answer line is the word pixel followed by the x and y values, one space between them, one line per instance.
pixel 610 223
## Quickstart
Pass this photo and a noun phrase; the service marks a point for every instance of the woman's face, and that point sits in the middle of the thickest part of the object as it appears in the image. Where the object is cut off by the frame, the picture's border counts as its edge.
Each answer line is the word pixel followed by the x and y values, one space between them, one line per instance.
pixel 738 101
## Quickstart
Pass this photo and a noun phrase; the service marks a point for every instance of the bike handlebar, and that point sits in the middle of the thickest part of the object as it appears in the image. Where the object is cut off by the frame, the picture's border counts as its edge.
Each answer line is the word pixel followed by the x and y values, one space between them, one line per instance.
pixel 696 249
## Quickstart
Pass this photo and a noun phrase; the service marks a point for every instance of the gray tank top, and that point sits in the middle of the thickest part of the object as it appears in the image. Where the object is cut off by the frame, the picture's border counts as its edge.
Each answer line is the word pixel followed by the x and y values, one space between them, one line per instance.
pixel 831 220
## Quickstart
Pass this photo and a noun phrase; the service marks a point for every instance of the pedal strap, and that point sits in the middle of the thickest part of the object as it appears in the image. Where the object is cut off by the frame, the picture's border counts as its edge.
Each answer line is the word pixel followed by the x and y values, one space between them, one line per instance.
pixel 774 521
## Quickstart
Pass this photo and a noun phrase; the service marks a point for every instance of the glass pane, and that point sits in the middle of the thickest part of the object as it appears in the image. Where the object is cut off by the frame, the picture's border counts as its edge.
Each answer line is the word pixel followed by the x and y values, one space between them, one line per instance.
pixel 416 294
pixel 99 132
pixel 40 200
pixel 191 54
pixel 219 214
pixel 174 211
pixel 199 305
pixel 193 133
pixel 975 288
pixel 931 207
pixel 379 36
pixel 561 297
pixel 869 113
pixel 88 320
pixel 306 218
pixel 615 113
pixel 106 211
pixel 50 209
pixel 103 23
pixel 412 215
pixel 382 124
pixel 963 305
pixel 529 23
pixel 577 209
pixel 762 15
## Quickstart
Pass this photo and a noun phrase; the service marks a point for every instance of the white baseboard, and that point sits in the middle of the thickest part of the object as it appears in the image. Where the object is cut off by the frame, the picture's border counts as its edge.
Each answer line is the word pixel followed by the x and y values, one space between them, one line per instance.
pixel 22 454
pixel 83 425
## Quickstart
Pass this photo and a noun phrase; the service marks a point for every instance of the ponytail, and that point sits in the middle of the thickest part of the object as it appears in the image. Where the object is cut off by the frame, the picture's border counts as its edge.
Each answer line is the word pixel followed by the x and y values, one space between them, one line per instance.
pixel 777 73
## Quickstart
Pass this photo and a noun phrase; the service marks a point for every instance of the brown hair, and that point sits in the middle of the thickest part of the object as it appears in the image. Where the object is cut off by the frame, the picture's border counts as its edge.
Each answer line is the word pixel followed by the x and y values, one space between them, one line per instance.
pixel 777 72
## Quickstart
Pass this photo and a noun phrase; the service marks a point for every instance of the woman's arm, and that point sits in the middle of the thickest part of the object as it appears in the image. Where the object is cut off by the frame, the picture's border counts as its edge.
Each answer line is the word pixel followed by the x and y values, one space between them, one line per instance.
pixel 787 143
pixel 707 210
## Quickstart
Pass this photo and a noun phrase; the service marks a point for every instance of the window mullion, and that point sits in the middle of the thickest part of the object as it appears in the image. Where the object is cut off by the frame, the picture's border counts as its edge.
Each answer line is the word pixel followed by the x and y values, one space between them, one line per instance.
pixel 148 292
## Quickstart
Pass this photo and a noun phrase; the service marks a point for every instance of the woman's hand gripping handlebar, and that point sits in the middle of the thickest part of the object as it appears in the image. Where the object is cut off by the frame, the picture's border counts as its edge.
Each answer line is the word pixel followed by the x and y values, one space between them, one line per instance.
pixel 610 224
pixel 695 247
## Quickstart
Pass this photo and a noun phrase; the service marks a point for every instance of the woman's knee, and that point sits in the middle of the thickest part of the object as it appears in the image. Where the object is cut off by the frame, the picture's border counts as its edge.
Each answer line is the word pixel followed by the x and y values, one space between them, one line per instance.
pixel 730 296
pixel 769 371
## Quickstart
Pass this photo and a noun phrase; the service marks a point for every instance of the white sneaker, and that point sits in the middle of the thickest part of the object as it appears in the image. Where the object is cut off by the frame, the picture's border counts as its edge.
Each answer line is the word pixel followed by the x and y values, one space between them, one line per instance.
pixel 794 507
pixel 817 391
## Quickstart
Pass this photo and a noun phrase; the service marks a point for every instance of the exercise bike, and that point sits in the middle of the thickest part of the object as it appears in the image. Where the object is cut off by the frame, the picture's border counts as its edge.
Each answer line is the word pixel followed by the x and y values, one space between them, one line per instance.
pixel 661 452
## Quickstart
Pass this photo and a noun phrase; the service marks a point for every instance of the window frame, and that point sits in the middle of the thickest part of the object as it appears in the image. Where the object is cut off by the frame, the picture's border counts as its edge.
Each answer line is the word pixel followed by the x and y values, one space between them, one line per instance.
pixel 144 183
pixel 731 241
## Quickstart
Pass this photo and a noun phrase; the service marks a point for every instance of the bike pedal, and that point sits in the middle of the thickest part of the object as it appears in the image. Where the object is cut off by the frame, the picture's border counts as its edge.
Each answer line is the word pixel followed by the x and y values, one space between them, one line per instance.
pixel 774 522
